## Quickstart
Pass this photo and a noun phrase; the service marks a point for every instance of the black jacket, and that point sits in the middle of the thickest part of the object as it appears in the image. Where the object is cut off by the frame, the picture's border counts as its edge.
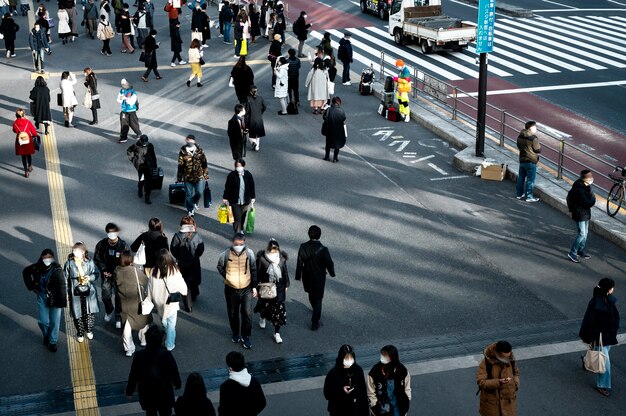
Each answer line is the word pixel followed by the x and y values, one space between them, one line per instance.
pixel 344 52
pixel 301 28
pixel 255 107
pixel 40 96
pixel 142 157
pixel 581 200
pixel 313 262
pixel 235 129
pixel 150 46
pixel 340 403
pixel 399 377
pixel 335 119
pixel 191 407
pixel 106 256
pixel 294 67
pixel 154 242
pixel 91 82
pixel 56 286
pixel 243 78
pixel 9 28
pixel 231 188
pixel 275 50
pixel 262 266
pixel 154 374
pixel 187 252
pixel 601 317
pixel 176 42
pixel 237 400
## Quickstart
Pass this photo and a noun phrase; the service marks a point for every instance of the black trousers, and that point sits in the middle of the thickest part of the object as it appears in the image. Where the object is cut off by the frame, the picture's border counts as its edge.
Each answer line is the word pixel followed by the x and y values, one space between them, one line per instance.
pixel 129 121
pixel 239 303
pixel 144 186
pixel 335 153
pixel 239 212
pixel 94 114
pixel 106 48
pixel 272 66
pixel 154 69
pixel 27 160
pixel 176 57
pixel 10 45
pixel 293 89
pixel 316 304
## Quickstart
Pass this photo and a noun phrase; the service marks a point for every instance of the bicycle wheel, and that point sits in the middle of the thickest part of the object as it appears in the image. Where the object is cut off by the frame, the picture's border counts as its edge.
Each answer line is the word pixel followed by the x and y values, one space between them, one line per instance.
pixel 615 199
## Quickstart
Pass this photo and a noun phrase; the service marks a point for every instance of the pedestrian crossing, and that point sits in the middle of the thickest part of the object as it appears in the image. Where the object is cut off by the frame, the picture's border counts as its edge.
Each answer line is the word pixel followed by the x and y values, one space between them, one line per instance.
pixel 541 45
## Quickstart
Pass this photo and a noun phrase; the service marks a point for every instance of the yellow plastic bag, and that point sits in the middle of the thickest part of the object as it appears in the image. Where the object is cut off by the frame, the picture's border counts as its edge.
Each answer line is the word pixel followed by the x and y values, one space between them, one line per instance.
pixel 244 47
pixel 222 214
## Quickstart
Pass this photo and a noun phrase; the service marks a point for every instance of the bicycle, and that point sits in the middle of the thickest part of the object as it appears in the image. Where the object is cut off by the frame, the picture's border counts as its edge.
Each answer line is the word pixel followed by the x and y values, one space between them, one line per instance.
pixel 615 199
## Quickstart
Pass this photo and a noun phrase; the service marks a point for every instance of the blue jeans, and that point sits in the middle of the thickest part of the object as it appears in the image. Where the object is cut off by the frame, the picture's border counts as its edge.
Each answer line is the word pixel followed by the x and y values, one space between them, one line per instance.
pixel 227 26
pixel 49 320
pixel 345 75
pixel 604 379
pixel 581 238
pixel 169 325
pixel 193 193
pixel 527 172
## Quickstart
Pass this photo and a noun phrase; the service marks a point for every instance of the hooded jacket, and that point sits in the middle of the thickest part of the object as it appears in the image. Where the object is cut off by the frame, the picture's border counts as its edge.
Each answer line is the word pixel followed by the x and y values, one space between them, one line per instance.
pixel 529 147
pixel 601 317
pixel 241 395
pixel 497 399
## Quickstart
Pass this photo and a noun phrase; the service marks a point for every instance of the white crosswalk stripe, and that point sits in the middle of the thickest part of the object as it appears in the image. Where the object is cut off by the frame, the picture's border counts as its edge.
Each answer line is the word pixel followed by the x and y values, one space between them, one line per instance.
pixel 522 47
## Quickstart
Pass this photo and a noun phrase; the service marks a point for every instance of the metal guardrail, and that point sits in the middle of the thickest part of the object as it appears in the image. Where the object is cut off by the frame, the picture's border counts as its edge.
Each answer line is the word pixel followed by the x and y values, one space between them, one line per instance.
pixel 565 158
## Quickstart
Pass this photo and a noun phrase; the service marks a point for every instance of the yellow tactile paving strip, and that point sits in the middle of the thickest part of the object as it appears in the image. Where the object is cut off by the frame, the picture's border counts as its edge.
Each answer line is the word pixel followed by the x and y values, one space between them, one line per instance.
pixel 83 380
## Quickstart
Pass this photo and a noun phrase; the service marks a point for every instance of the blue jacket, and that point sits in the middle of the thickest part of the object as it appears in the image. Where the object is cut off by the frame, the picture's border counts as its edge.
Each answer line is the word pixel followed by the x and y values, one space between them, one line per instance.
pixel 127 94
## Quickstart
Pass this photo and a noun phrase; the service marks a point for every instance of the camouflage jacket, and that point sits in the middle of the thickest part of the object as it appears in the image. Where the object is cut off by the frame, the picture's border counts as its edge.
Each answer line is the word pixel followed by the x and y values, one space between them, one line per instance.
pixel 192 167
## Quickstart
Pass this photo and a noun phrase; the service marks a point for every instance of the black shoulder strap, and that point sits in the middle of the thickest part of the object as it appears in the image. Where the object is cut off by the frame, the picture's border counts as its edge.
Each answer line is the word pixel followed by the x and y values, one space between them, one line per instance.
pixel 489 369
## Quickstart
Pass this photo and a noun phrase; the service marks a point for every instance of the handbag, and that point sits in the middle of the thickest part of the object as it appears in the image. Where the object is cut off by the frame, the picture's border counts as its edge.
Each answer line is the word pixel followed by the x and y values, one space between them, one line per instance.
pixel 196 35
pixel 222 214
pixel 60 100
pixel 37 142
pixel 173 297
pixel 139 258
pixel 201 62
pixel 595 358
pixel 87 100
pixel 82 290
pixel 331 87
pixel 142 57
pixel 207 195
pixel 267 290
pixel 51 23
pixel 250 221
pixel 231 217
pixel 231 82
pixel 145 304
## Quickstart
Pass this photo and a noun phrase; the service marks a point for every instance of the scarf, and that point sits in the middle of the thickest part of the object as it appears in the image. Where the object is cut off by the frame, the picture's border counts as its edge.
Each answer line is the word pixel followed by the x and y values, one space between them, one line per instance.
pixel 274 269
pixel 242 377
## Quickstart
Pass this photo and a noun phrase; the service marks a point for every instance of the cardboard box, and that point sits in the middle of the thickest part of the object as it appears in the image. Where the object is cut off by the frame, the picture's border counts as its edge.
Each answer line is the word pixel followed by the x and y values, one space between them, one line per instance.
pixel 493 172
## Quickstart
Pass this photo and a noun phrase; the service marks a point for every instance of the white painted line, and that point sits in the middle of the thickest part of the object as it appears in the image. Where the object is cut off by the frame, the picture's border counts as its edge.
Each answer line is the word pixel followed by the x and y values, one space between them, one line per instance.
pixel 410 153
pixel 421 159
pixel 578 10
pixel 592 19
pixel 356 3
pixel 409 156
pixel 449 62
pixel 582 34
pixel 463 4
pixel 438 169
pixel 616 2
pixel 508 64
pixel 472 61
pixel 549 88
pixel 397 137
pixel 614 21
pixel 385 133
pixel 324 4
pixel 375 128
pixel 517 57
pixel 609 23
pixel 559 4
pixel 450 177
pixel 598 31
pixel 403 144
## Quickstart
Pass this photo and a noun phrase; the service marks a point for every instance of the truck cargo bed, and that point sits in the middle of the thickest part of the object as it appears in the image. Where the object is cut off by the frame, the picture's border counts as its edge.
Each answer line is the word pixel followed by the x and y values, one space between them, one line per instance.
pixel 437 22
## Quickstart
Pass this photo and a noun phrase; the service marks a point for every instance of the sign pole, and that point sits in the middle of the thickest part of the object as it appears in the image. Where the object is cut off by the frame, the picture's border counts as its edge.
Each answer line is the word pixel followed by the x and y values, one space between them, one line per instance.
pixel 484 45
pixel 482 106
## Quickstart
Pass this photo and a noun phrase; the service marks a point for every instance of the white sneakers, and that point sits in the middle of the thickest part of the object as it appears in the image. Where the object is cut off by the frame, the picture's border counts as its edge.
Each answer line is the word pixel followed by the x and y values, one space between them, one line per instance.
pixel 108 316
pixel 80 339
pixel 262 323
pixel 89 335
pixel 347 83
pixel 129 353
pixel 196 207
pixel 206 46
pixel 182 62
pixel 278 339
pixel 173 64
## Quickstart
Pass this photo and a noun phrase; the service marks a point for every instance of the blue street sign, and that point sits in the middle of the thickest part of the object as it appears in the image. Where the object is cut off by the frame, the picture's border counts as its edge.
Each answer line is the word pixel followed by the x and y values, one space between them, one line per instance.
pixel 486 21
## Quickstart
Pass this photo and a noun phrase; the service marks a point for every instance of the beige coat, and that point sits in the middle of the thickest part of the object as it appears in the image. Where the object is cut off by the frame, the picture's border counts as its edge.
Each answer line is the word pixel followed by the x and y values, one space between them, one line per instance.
pixel 317 83
pixel 126 283
pixel 497 399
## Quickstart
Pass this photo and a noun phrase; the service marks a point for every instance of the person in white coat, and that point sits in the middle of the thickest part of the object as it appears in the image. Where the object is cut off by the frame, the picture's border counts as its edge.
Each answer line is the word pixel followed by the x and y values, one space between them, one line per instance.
pixel 317 84
pixel 282 80
pixel 166 282
pixel 68 80
pixel 63 26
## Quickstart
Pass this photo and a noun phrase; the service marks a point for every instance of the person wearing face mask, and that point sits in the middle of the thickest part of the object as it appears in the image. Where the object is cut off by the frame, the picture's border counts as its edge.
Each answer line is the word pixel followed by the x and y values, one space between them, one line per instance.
pixel 389 385
pixel 187 247
pixel 176 44
pixel 81 273
pixel 253 119
pixel 240 194
pixel 241 394
pixel 301 30
pixel 154 241
pixel 344 386
pixel 599 327
pixel 91 83
pixel 529 149
pixel 580 200
pixel 39 45
pixel 498 380
pixel 281 90
pixel 46 279
pixel 107 258
pixel 237 132
pixel 193 171
pixel 142 156
pixel 127 97
pixel 237 266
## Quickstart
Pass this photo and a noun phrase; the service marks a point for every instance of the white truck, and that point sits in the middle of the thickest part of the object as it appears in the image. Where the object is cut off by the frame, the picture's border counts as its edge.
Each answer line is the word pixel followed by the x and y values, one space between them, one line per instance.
pixel 421 22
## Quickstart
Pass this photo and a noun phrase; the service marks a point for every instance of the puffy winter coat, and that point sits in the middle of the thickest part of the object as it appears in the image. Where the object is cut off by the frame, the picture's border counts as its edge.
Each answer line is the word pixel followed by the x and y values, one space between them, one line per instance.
pixel 497 399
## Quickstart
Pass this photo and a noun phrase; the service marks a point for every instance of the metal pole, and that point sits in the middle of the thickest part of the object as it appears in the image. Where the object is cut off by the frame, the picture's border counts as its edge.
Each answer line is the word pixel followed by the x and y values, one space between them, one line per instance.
pixel 482 106
pixel 382 66
pixel 414 83
pixel 502 126
pixel 455 93
pixel 559 172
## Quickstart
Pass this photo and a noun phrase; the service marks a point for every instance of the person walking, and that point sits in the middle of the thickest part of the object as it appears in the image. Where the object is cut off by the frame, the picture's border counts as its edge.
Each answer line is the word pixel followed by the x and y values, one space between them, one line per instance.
pixel 68 80
pixel 25 133
pixel 9 29
pixel 227 15
pixel 243 79
pixel 91 83
pixel 344 386
pixel 70 7
pixel 498 380
pixel 38 43
pixel 150 47
pixel 140 20
pixel 107 257
pixel 239 194
pixel 255 28
pixel 240 26
pixel 271 265
pixel 167 288
pixel 195 55
pixel 237 266
pixel 580 200
pixel 187 247
pixel 529 149
pixel 45 278
pixel 131 286
pixel 153 240
pixel 301 30
pixel 281 90
pixel 105 34
pixel 193 170
pixel 336 131
pixel 599 328
pixel 237 132
pixel 81 273
pixel 63 25
pixel 389 384
pixel 91 13
pixel 40 104
pixel 127 97
pixel 293 84
pixel 317 84
pixel 176 44
pixel 126 29
pixel 273 55
pixel 344 54
pixel 241 394
pixel 253 118
pixel 154 374
pixel 313 263
pixel 142 156
pixel 194 401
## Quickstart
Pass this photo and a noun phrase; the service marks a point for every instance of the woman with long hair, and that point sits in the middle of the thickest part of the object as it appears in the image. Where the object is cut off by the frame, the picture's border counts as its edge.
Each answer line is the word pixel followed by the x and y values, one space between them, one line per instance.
pixel 194 402
pixel 91 83
pixel 344 386
pixel 25 133
pixel 69 102
pixel 40 104
pixel 195 60
pixel 187 247
pixel 153 240
pixel 243 79
pixel 389 384
pixel 317 84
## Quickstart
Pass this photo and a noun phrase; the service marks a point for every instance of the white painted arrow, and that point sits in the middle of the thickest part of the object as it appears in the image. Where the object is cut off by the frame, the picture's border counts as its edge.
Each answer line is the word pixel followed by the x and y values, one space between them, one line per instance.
pixel 385 133
pixel 403 144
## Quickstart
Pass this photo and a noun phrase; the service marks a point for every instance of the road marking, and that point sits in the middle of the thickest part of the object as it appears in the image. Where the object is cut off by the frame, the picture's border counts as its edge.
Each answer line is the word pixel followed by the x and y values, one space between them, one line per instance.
pixel 403 144
pixel 374 128
pixel 548 88
pixel 606 23
pixel 450 177
pixel 578 10
pixel 616 2
pixel 490 68
pixel 438 169
pixel 421 159
pixel 554 132
pixel 603 26
pixel 597 31
pixel 356 3
pixel 509 64
pixel 559 4
pixel 385 133
pixel 83 379
pixel 582 34
pixel 464 4
pixel 324 4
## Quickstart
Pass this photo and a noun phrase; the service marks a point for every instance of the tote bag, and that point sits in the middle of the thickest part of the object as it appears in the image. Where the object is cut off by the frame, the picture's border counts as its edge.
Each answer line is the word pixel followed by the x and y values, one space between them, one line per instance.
pixel 145 304
pixel 139 258
pixel 595 358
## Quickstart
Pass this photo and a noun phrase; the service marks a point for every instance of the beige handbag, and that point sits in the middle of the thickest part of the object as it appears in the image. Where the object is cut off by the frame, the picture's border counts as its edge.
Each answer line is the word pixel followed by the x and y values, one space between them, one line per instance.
pixel 595 358
pixel 267 290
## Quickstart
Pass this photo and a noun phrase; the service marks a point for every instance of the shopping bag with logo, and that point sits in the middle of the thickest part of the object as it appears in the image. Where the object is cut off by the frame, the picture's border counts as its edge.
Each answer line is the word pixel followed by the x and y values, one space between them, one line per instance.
pixel 250 221
pixel 222 214
pixel 196 35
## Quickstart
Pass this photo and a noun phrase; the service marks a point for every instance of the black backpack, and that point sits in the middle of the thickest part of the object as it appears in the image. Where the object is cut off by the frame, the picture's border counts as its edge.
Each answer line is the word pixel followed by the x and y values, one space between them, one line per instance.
pixel 570 200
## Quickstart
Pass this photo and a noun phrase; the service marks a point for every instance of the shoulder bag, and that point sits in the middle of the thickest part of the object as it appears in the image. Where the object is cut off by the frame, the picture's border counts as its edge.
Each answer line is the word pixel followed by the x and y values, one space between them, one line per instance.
pixel 595 358
pixel 139 258
pixel 267 290
pixel 82 289
pixel 173 297
pixel 145 304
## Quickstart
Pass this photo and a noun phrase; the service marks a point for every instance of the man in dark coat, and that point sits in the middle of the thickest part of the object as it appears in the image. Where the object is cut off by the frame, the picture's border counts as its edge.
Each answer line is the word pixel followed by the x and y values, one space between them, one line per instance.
pixel 293 83
pixel 335 121
pixel 142 156
pixel 344 54
pixel 38 43
pixel 154 374
pixel 241 394
pixel 237 132
pixel 176 43
pixel 313 263
pixel 149 49
pixel 9 28
pixel 301 30
pixel 254 108
pixel 580 200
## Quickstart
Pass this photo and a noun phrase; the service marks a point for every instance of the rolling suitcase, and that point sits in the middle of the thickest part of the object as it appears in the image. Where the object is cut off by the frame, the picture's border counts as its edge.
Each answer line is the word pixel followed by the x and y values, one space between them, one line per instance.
pixel 365 89
pixel 157 179
pixel 177 193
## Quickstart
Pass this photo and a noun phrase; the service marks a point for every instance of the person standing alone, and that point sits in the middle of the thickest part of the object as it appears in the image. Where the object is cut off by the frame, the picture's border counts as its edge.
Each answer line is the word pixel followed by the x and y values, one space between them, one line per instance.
pixel 529 149
pixel 301 30
pixel 498 380
pixel 580 200
pixel 335 119
pixel 128 117
pixel 344 54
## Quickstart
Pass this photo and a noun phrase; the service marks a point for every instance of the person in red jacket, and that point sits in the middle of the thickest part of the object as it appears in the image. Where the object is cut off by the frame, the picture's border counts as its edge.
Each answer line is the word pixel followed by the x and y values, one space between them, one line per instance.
pixel 25 133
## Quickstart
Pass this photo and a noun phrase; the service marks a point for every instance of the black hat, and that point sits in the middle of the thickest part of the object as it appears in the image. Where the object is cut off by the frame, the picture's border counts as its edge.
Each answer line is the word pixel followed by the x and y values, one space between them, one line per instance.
pixel 239 236
pixel 273 244
pixel 143 138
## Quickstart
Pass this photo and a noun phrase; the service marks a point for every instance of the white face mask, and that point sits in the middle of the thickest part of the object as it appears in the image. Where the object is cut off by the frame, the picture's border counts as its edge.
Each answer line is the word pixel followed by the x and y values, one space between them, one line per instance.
pixel 238 249
pixel 77 253
pixel 239 169
pixel 47 261
pixel 191 147
pixel 112 236
pixel 187 228
pixel 348 362
pixel 243 113
pixel 384 359
pixel 589 181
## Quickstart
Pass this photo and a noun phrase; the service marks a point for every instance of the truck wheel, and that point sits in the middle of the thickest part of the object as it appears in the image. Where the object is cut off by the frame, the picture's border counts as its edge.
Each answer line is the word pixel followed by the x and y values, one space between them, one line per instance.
pixel 363 7
pixel 426 49
pixel 381 13
pixel 398 38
